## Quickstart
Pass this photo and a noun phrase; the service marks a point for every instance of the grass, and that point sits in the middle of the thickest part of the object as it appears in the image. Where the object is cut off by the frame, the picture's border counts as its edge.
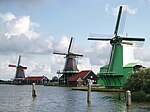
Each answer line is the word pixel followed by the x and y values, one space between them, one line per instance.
pixel 52 84
pixel 97 89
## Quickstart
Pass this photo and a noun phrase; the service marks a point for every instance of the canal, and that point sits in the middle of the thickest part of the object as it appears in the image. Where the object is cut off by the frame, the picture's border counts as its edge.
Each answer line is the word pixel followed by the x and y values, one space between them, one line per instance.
pixel 18 98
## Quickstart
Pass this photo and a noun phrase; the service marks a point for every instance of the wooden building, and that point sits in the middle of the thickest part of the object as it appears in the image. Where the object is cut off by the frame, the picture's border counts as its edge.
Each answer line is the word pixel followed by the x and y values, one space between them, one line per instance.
pixel 81 78
pixel 35 79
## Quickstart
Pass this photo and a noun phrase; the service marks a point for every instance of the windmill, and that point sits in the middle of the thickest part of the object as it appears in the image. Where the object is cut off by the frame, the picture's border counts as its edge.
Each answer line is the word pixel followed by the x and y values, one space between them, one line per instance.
pixel 70 67
pixel 116 72
pixel 20 75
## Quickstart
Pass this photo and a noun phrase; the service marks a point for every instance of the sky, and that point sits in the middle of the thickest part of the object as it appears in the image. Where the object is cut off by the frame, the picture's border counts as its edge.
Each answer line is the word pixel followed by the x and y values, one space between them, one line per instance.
pixel 35 29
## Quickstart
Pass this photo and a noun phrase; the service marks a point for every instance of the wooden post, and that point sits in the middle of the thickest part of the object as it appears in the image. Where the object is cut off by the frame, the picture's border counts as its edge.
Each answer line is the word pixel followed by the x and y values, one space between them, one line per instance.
pixel 128 98
pixel 33 90
pixel 89 91
pixel 119 94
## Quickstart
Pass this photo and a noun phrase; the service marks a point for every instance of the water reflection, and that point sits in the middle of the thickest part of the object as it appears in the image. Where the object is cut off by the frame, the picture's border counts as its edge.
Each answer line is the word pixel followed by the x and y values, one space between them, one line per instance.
pixel 59 99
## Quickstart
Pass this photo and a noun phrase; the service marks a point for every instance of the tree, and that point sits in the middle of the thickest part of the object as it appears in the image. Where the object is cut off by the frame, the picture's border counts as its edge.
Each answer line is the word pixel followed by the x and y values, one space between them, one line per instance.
pixel 139 84
pixel 54 79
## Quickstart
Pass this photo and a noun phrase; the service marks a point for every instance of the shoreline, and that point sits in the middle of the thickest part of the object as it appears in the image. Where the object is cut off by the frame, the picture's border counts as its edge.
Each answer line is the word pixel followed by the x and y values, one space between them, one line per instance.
pixel 97 89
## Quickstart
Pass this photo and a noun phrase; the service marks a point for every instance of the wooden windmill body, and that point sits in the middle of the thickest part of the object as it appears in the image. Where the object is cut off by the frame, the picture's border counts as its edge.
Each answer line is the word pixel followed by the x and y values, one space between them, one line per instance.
pixel 117 71
pixel 70 67
pixel 20 75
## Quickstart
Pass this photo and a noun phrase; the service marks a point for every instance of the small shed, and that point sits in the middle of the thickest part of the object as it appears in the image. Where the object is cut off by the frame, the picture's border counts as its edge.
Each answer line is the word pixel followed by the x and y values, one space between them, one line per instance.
pixel 81 78
pixel 35 79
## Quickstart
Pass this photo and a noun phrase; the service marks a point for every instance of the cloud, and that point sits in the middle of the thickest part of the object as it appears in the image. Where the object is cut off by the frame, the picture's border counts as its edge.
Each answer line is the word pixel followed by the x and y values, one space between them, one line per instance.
pixel 142 56
pixel 84 64
pixel 98 53
pixel 17 35
pixel 115 10
pixel 126 8
pixel 38 69
pixel 62 44
pixel 17 26
pixel 107 7
pixel 7 16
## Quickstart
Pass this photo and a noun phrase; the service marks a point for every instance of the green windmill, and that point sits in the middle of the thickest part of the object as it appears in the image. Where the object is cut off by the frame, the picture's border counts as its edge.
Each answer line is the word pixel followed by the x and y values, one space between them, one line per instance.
pixel 116 72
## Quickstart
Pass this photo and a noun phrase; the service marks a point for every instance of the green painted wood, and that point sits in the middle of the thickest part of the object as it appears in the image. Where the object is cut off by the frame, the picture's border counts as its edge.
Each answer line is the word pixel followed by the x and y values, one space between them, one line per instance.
pixel 114 74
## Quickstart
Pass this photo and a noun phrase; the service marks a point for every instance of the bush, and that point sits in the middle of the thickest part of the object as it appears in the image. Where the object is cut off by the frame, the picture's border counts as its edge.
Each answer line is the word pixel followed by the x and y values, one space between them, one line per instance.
pixel 138 96
pixel 139 84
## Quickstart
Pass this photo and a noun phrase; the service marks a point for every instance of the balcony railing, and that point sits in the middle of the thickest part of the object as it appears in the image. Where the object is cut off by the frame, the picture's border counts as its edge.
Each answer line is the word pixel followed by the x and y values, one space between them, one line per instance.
pixel 101 74
pixel 67 72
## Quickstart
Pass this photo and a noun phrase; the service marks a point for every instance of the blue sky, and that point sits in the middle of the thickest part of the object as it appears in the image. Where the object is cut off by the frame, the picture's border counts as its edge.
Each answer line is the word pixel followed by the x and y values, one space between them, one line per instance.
pixel 35 28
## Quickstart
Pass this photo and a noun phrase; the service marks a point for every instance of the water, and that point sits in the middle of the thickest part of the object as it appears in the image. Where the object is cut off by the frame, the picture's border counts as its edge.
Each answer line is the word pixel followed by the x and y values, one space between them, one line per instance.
pixel 18 98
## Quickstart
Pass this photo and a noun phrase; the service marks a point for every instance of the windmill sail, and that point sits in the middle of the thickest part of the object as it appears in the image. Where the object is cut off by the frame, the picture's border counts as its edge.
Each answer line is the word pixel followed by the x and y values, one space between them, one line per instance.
pixel 70 45
pixel 70 64
pixel 118 21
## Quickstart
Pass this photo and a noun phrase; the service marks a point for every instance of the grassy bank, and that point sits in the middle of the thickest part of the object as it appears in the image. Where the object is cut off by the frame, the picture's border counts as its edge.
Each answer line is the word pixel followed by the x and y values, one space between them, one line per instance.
pixel 98 89
pixel 52 84
pixel 5 82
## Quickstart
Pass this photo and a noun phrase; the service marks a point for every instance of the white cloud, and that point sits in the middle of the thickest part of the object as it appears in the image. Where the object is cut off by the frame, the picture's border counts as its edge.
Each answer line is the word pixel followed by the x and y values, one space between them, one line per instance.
pixel 98 53
pixel 38 69
pixel 62 44
pixel 115 10
pixel 107 7
pixel 7 16
pixel 17 26
pixel 84 64
pixel 142 56
pixel 17 35
pixel 126 8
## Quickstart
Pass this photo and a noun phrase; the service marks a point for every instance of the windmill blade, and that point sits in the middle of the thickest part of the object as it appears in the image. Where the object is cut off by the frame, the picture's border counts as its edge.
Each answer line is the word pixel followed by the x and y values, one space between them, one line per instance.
pixel 24 68
pixel 118 21
pixel 122 21
pixel 133 43
pixel 70 44
pixel 127 43
pixel 11 65
pixel 59 53
pixel 100 35
pixel 132 39
pixel 77 55
pixel 111 58
pixel 138 43
pixel 103 39
pixel 19 60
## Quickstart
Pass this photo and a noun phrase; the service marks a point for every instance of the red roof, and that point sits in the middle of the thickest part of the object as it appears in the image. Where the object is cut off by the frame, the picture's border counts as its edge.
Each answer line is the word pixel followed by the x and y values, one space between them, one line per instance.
pixel 81 74
pixel 34 78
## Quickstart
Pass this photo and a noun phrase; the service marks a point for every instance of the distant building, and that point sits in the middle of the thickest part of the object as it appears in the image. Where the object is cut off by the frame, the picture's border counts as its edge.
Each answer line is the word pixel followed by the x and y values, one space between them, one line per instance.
pixel 63 80
pixel 35 79
pixel 81 78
